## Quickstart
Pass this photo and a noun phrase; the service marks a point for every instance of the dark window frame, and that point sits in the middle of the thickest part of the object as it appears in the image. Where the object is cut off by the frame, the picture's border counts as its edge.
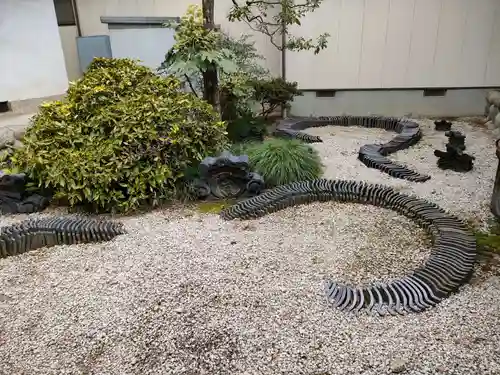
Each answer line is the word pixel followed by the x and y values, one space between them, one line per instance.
pixel 65 13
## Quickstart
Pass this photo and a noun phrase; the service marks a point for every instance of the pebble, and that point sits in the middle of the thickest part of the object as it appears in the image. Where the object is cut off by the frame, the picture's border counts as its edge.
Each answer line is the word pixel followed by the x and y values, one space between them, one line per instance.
pixel 398 365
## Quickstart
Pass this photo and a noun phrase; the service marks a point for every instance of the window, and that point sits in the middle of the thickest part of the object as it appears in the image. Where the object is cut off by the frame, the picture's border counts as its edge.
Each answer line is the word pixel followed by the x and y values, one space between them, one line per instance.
pixel 64 12
pixel 4 107
pixel 325 93
pixel 435 92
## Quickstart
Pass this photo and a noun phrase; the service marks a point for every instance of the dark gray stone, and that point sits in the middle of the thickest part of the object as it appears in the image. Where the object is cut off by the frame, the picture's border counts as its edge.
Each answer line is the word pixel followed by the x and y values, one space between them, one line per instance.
pixel 454 157
pixel 442 125
pixel 227 176
pixel 14 198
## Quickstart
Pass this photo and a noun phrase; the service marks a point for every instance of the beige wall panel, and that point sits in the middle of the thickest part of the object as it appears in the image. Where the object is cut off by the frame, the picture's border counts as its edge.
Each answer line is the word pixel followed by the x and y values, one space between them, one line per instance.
pixel 492 71
pixel 477 41
pixel 425 25
pixel 401 44
pixel 375 22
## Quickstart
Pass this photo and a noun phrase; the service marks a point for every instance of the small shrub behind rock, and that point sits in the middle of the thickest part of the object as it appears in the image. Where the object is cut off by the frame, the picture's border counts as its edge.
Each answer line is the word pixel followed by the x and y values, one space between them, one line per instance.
pixel 282 161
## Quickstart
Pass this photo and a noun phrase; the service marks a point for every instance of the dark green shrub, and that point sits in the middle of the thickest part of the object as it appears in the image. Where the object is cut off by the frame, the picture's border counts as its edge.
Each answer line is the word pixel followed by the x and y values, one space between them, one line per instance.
pixel 281 161
pixel 273 93
pixel 241 148
pixel 122 136
pixel 247 128
pixel 488 240
pixel 270 94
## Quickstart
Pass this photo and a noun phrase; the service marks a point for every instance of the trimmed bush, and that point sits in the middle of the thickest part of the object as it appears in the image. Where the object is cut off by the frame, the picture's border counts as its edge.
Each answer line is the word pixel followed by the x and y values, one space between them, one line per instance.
pixel 247 128
pixel 122 136
pixel 281 161
pixel 273 93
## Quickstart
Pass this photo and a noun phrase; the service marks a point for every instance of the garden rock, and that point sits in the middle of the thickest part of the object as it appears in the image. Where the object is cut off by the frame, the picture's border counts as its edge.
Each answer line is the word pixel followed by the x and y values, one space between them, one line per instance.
pixel 14 198
pixel 496 120
pixel 442 125
pixel 398 365
pixel 227 176
pixel 454 157
pixel 18 133
pixel 493 97
pixel 6 138
pixel 492 113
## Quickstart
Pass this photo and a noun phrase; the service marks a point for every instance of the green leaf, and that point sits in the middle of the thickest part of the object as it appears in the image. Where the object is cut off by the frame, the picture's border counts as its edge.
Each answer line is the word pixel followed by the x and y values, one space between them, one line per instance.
pixel 228 66
pixel 210 56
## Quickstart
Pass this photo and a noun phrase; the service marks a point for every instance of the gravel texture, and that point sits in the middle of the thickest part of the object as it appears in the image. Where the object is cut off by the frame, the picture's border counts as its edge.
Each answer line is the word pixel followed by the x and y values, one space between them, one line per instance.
pixel 465 194
pixel 186 293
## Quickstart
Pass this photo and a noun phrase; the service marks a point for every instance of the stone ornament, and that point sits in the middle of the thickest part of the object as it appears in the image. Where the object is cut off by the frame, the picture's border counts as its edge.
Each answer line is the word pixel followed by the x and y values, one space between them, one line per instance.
pixel 492 108
pixel 454 157
pixel 14 197
pixel 442 125
pixel 227 176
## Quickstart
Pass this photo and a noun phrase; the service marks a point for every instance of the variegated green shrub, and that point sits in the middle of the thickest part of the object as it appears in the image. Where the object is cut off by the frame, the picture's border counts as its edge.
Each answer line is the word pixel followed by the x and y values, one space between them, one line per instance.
pixel 121 137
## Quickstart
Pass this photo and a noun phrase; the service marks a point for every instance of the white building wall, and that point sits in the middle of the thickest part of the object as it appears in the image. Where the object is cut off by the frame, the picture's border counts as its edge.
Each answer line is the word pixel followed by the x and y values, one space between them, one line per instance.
pixel 375 45
pixel 384 44
pixel 90 12
pixel 68 39
pixel 31 57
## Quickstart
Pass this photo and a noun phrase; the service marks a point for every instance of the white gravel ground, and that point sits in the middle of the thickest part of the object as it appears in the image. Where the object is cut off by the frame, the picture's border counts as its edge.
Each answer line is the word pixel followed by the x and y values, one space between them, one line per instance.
pixel 465 194
pixel 186 293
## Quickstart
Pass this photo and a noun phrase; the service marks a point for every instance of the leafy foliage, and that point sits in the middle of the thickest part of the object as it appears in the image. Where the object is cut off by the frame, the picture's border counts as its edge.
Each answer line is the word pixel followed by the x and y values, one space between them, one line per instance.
pixel 121 137
pixel 197 49
pixel 282 161
pixel 273 93
pixel 247 127
pixel 248 61
pixel 244 84
pixel 249 87
pixel 237 91
pixel 488 240
pixel 274 19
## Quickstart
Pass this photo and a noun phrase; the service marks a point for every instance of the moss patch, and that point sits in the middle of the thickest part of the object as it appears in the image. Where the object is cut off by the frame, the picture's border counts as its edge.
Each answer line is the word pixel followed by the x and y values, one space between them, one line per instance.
pixel 487 240
pixel 213 207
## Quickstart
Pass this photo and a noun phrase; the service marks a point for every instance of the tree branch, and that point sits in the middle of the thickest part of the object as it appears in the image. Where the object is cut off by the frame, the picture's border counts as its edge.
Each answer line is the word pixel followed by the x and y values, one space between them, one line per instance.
pixel 289 14
pixel 191 85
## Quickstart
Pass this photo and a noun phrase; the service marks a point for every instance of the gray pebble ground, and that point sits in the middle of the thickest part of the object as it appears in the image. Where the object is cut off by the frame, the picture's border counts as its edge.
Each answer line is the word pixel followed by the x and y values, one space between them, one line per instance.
pixel 186 293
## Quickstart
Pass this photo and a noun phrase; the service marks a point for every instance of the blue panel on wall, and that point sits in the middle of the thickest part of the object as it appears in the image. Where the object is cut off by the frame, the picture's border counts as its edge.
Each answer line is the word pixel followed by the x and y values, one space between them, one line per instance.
pixel 90 47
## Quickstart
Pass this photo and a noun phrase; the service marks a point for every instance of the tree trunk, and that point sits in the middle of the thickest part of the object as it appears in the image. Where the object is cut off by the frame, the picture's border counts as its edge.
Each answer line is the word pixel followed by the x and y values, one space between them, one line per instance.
pixel 210 78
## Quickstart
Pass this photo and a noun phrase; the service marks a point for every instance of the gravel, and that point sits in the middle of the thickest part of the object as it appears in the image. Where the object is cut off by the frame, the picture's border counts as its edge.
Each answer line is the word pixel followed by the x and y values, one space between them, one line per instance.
pixel 186 293
pixel 465 194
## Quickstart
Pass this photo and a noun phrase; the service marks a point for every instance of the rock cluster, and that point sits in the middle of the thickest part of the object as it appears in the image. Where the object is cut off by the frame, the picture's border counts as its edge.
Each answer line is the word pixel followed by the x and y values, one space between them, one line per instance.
pixel 492 108
pixel 9 140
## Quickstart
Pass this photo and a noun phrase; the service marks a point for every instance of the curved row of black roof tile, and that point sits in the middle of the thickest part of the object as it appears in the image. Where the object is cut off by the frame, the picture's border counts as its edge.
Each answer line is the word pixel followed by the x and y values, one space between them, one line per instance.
pixel 372 155
pixel 449 266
